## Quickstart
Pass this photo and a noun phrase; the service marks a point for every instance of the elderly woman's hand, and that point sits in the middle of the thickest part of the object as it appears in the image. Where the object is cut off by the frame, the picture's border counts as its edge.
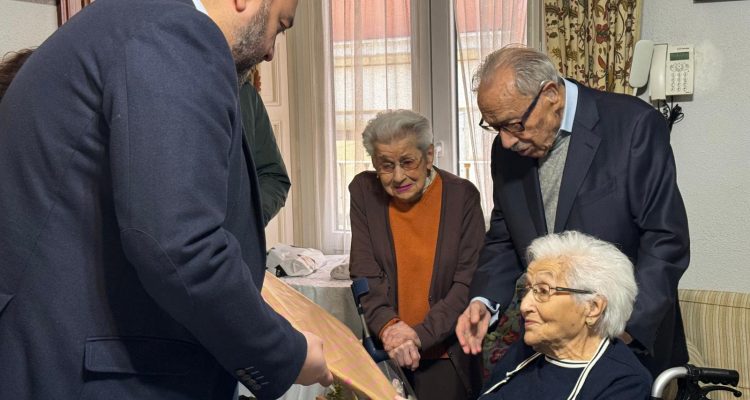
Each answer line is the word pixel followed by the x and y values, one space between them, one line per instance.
pixel 406 355
pixel 397 334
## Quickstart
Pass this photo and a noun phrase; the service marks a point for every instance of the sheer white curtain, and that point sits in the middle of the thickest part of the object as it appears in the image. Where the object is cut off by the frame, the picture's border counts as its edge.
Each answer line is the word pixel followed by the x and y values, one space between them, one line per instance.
pixel 350 59
pixel 369 70
pixel 482 26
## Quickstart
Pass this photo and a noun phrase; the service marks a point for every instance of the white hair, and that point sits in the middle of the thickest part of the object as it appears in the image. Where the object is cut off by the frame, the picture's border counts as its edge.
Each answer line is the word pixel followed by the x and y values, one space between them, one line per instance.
pixel 592 264
pixel 391 125
pixel 531 68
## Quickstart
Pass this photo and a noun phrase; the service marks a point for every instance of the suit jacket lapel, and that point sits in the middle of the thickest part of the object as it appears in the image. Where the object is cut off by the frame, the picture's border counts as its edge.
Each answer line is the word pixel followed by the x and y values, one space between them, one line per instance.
pixel 583 145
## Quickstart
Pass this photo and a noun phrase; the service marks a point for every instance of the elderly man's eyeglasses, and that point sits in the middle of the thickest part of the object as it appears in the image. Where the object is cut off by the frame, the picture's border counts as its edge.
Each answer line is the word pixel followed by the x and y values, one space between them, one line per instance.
pixel 514 127
pixel 407 164
pixel 542 291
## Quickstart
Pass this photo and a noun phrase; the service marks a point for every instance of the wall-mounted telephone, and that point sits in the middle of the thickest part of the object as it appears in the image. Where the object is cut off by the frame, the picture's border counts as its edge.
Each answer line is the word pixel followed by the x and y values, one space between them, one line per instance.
pixel 679 71
pixel 669 70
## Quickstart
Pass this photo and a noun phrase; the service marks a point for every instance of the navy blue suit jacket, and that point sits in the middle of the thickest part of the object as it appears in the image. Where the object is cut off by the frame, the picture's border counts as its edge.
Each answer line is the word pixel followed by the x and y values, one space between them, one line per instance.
pixel 619 184
pixel 132 250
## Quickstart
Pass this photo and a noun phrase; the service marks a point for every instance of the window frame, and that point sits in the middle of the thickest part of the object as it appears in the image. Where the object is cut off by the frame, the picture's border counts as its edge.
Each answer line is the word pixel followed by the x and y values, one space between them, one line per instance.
pixel 433 42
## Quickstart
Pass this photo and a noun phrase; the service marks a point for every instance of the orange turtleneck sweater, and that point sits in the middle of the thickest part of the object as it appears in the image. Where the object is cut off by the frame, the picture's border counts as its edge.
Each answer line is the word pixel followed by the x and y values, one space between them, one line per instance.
pixel 415 235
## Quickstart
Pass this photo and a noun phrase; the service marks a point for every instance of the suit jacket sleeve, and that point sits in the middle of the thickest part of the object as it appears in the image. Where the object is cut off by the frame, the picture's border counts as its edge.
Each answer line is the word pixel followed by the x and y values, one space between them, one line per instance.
pixel 658 210
pixel 440 321
pixel 362 262
pixel 269 165
pixel 499 264
pixel 173 117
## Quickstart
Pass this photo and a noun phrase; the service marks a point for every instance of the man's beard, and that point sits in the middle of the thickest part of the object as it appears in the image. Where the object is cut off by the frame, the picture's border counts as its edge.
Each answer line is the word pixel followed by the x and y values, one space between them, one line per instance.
pixel 248 50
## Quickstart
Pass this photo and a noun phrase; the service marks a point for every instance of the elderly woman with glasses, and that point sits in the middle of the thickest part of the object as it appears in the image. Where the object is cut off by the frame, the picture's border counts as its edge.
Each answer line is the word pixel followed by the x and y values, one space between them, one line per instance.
pixel 576 297
pixel 416 236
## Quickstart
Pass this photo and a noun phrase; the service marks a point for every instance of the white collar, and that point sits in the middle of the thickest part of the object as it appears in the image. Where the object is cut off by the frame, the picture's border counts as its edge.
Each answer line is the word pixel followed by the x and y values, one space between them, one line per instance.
pixel 571 104
pixel 566 363
pixel 200 7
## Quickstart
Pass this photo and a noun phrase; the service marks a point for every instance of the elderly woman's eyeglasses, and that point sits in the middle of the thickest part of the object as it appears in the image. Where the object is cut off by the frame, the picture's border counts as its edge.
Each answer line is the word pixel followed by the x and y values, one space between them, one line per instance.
pixel 542 291
pixel 407 164
pixel 514 127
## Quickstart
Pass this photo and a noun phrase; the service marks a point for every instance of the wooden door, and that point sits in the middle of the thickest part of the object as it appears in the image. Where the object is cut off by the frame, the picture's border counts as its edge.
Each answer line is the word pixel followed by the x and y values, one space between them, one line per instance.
pixel 275 94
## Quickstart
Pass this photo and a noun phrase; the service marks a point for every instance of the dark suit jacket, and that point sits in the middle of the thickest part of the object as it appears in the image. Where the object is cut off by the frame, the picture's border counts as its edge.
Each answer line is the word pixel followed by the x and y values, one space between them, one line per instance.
pixel 131 239
pixel 459 242
pixel 619 184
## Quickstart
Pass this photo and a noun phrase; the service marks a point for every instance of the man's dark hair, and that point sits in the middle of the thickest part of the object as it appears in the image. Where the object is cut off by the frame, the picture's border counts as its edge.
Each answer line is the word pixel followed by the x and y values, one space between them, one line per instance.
pixel 9 67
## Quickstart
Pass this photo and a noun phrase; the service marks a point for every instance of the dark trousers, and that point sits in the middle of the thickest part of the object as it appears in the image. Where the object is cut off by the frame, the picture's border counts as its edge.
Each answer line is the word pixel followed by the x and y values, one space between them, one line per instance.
pixel 437 379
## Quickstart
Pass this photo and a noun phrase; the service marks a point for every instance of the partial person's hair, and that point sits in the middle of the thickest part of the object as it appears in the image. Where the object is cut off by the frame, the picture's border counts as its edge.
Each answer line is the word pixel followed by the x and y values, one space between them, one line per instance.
pixel 530 66
pixel 592 264
pixel 9 67
pixel 392 125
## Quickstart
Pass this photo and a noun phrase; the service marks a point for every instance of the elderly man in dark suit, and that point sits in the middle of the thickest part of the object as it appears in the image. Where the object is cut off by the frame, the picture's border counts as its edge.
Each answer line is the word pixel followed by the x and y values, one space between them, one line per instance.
pixel 131 239
pixel 571 158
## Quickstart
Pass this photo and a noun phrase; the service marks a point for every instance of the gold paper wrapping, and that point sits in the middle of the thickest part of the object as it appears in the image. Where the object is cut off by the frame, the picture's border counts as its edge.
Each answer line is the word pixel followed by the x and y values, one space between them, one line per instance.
pixel 346 358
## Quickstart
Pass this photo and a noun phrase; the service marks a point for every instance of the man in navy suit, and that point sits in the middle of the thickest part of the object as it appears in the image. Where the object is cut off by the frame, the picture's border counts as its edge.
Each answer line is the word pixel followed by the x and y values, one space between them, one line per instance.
pixel 571 158
pixel 132 250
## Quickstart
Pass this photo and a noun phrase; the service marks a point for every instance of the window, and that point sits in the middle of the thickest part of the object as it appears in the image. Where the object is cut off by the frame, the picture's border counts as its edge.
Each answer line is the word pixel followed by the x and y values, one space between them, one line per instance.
pixel 371 53
pixel 481 27
pixel 385 54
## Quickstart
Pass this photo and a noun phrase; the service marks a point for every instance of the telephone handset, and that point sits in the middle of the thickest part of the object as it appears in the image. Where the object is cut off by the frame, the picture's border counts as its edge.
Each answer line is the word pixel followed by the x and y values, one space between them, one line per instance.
pixel 669 70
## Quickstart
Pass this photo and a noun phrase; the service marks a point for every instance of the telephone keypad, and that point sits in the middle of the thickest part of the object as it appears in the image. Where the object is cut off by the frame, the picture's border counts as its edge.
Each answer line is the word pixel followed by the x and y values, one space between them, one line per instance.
pixel 679 76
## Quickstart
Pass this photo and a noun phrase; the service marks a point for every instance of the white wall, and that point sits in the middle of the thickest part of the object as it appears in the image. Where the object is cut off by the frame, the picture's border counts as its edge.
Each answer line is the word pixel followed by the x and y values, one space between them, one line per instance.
pixel 712 143
pixel 24 24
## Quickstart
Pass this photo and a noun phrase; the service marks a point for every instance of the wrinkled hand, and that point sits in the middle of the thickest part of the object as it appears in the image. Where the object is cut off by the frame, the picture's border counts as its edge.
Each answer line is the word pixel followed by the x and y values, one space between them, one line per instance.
pixel 406 355
pixel 397 334
pixel 314 370
pixel 472 327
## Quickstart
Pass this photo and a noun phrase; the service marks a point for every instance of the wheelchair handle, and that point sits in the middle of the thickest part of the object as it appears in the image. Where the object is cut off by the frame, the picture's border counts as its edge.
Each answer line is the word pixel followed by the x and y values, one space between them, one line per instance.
pixel 713 375
pixel 360 287
pixel 661 381
pixel 695 374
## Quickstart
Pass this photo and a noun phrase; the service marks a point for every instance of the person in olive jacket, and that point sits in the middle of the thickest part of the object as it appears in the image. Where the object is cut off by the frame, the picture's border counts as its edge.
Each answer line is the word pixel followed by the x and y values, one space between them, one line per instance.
pixel 269 166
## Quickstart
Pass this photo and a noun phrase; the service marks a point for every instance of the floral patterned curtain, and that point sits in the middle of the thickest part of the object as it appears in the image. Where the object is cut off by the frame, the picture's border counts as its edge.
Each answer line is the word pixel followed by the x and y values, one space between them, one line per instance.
pixel 592 41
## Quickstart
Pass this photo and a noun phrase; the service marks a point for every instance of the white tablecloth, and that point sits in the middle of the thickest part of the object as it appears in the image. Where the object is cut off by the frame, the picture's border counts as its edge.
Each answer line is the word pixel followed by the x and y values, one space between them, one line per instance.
pixel 334 295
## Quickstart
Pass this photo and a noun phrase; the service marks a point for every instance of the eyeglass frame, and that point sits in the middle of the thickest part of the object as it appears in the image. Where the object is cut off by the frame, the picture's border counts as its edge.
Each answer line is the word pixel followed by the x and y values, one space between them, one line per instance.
pixel 400 163
pixel 526 288
pixel 524 117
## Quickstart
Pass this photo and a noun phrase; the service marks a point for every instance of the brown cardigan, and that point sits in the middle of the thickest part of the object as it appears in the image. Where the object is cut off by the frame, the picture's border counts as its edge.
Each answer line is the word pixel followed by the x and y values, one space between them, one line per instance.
pixel 460 237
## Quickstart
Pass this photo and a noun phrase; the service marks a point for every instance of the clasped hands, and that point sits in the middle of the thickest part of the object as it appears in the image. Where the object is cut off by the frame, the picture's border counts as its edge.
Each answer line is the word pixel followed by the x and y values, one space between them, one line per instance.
pixel 402 344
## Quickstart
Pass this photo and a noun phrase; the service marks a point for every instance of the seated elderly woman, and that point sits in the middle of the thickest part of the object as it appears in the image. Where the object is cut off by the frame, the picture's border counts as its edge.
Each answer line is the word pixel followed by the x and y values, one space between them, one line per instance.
pixel 416 236
pixel 577 295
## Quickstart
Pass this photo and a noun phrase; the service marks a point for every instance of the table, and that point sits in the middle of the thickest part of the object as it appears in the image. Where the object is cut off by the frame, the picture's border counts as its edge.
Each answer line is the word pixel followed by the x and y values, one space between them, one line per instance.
pixel 335 296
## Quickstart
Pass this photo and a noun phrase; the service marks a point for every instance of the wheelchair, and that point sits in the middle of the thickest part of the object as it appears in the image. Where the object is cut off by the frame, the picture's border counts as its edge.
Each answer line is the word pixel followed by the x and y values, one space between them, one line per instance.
pixel 691 377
